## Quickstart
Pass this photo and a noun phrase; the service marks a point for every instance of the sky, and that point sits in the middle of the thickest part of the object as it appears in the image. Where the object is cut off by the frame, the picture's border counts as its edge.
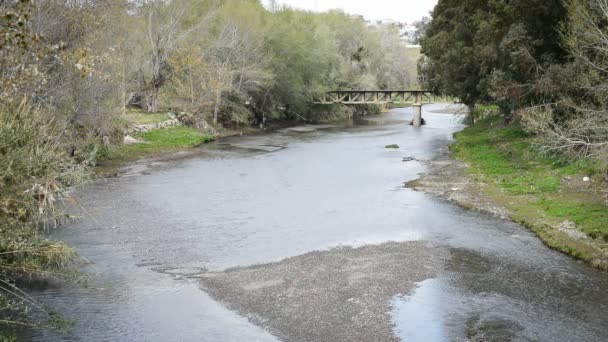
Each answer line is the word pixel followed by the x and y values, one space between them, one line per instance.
pixel 400 10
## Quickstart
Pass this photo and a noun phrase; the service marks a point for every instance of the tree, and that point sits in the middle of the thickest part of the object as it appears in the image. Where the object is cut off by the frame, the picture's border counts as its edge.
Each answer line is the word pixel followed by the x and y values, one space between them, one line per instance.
pixel 395 67
pixel 450 65
pixel 165 25
pixel 495 52
pixel 574 119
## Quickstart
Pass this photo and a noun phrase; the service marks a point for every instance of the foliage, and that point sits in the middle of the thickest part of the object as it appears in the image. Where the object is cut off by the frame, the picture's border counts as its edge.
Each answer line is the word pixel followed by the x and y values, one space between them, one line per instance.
pixel 478 50
pixel 575 123
pixel 249 65
pixel 34 172
pixel 39 157
pixel 544 60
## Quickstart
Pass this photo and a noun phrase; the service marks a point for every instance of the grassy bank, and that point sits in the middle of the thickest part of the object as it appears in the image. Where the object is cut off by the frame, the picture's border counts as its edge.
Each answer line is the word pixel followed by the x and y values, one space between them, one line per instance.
pixel 152 142
pixel 547 194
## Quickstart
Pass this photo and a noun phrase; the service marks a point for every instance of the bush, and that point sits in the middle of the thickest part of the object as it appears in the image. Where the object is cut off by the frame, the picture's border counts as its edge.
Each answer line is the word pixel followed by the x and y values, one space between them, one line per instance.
pixel 35 168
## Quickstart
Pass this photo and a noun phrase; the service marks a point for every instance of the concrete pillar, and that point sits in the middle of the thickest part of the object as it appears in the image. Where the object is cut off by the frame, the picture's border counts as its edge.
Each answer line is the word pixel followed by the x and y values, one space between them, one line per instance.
pixel 417 120
pixel 417 108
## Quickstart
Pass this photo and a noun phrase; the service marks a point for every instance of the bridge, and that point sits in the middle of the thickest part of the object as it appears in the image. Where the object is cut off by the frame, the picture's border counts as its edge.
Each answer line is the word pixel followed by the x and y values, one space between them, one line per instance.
pixel 352 97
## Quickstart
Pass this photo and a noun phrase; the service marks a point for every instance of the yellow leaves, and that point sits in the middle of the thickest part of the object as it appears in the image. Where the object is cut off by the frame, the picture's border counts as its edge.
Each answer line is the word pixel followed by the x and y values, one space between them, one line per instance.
pixel 188 59
pixel 81 56
pixel 12 208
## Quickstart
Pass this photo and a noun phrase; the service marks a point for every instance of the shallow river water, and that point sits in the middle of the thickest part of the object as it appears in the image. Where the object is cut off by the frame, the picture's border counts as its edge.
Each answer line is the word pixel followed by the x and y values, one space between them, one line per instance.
pixel 256 200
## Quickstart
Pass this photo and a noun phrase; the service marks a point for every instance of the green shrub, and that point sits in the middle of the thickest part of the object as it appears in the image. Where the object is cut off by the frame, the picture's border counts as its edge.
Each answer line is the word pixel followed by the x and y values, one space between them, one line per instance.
pixel 35 168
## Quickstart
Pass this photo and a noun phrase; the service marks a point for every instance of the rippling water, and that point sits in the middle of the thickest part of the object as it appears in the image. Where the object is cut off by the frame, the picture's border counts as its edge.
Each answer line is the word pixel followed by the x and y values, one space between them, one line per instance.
pixel 258 199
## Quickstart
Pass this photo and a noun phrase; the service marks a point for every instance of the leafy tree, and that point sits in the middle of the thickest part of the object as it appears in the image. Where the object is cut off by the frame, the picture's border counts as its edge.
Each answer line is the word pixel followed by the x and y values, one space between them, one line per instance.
pixel 491 50
pixel 450 64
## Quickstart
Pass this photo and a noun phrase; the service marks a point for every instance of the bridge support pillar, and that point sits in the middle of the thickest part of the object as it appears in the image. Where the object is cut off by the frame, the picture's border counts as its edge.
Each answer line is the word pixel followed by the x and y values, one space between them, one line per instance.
pixel 417 108
pixel 417 120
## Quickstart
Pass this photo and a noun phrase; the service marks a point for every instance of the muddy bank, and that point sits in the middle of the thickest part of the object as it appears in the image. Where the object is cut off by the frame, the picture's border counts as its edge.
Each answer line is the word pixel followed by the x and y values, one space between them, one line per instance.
pixel 343 294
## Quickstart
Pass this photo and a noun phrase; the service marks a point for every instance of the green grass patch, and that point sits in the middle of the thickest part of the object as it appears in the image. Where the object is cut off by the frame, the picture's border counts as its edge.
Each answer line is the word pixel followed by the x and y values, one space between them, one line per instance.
pixel 592 217
pixel 140 118
pixel 154 141
pixel 527 181
pixel 179 136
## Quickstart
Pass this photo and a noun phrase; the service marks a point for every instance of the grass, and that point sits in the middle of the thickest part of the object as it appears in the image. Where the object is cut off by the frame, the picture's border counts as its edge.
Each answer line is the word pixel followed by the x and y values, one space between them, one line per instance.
pixel 153 142
pixel 140 118
pixel 401 105
pixel 592 217
pixel 541 190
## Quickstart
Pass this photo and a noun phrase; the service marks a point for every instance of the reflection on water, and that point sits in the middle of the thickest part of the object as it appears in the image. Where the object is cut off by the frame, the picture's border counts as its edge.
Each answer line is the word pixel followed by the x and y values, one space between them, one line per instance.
pixel 483 297
pixel 258 199
pixel 420 317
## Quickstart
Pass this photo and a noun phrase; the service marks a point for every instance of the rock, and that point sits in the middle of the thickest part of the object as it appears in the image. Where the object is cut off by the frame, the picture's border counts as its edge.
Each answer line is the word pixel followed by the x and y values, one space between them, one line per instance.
pixel 422 122
pixel 455 189
pixel 567 225
pixel 586 179
pixel 129 140
pixel 567 178
pixel 392 146
pixel 148 127
pixel 106 140
pixel 407 159
pixel 570 229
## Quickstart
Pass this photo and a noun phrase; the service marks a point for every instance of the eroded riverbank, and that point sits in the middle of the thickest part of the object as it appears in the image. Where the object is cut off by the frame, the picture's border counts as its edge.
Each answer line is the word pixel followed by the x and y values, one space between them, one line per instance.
pixel 278 229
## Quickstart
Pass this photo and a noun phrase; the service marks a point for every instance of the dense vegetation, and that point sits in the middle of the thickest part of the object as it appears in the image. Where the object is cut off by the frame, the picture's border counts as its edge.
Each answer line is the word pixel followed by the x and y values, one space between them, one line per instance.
pixel 542 152
pixel 543 62
pixel 73 72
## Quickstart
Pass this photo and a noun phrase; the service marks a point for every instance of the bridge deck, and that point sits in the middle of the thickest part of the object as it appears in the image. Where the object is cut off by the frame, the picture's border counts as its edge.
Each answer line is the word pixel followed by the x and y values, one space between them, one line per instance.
pixel 376 97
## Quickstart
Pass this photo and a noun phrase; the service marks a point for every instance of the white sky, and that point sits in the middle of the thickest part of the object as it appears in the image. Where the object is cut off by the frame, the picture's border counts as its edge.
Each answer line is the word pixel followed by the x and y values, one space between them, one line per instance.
pixel 400 10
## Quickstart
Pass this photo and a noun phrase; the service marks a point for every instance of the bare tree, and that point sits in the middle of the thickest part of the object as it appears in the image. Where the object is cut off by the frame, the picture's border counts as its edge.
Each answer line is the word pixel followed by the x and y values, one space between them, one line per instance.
pixel 576 124
pixel 165 31
pixel 239 63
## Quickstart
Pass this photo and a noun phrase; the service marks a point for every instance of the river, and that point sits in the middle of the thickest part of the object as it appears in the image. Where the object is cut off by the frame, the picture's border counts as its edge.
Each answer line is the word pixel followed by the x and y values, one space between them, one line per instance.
pixel 308 234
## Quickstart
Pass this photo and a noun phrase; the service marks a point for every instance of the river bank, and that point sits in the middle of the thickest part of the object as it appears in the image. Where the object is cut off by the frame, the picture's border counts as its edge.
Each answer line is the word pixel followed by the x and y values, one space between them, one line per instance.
pixel 494 169
pixel 154 135
pixel 157 143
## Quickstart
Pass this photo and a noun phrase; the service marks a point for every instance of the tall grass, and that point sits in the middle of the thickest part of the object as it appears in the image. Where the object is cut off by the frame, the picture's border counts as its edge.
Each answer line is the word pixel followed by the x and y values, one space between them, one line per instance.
pixel 36 165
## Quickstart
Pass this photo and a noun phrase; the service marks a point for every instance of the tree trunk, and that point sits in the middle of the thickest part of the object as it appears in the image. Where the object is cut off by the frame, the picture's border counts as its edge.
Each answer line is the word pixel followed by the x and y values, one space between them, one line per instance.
pixel 472 113
pixel 152 100
pixel 216 108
